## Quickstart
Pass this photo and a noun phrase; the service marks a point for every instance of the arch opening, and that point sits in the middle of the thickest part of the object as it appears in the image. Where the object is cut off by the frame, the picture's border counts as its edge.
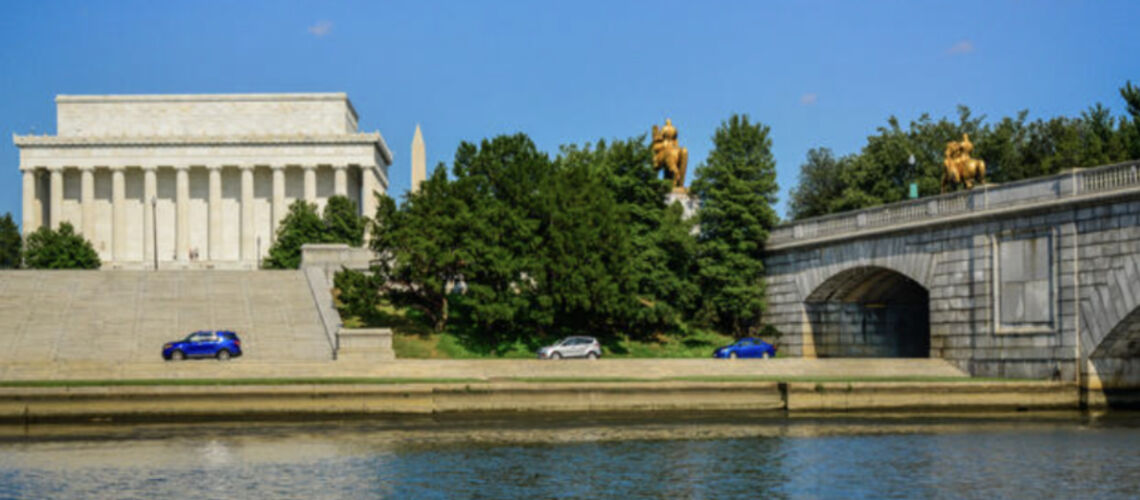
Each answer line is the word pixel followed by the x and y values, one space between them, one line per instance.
pixel 870 312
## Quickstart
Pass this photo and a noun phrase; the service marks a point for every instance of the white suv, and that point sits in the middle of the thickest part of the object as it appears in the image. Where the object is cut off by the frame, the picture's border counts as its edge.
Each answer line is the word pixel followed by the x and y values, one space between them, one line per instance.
pixel 572 347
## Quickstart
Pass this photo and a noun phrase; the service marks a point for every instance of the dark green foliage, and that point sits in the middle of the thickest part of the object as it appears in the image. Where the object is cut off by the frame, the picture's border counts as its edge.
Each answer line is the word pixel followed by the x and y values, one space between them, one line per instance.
pixel 582 244
pixel 1131 136
pixel 10 243
pixel 358 293
pixel 1012 147
pixel 737 190
pixel 62 249
pixel 302 225
pixel 420 247
pixel 819 184
pixel 342 224
pixel 660 286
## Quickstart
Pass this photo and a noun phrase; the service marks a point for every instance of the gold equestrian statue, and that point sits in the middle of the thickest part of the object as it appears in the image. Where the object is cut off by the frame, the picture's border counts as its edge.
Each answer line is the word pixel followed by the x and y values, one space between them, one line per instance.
pixel 960 168
pixel 667 154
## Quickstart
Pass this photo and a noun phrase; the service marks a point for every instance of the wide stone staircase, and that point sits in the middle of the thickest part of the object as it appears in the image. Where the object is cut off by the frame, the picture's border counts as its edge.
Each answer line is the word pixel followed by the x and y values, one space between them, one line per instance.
pixel 126 316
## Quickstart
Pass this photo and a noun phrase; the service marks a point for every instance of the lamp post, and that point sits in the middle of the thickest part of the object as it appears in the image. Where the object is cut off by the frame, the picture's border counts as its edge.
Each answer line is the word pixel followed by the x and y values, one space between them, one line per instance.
pixel 913 185
pixel 154 228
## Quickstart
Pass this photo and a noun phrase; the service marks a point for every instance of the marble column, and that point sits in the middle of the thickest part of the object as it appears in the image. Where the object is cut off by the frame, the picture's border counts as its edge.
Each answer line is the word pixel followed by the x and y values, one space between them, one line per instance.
pixel 310 183
pixel 215 216
pixel 340 180
pixel 150 197
pixel 27 208
pixel 182 213
pixel 367 187
pixel 278 202
pixel 55 194
pixel 87 201
pixel 248 252
pixel 27 211
pixel 118 214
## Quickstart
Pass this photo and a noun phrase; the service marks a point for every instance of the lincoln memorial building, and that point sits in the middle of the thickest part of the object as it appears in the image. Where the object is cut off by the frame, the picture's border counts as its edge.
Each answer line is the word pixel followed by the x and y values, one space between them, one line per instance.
pixel 196 180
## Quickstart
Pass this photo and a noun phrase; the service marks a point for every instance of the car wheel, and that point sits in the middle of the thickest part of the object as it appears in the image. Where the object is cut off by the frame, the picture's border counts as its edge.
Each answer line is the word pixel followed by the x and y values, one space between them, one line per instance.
pixel 177 356
pixel 556 355
pixel 732 355
pixel 223 355
pixel 592 355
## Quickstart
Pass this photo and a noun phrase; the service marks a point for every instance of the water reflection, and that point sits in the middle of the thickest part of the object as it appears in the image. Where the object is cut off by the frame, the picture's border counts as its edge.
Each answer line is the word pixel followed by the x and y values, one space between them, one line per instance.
pixel 672 456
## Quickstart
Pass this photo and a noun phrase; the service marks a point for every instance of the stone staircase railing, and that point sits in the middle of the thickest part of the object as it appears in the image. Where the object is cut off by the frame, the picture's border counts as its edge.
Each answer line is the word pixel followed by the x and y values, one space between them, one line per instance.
pixel 1071 184
pixel 322 297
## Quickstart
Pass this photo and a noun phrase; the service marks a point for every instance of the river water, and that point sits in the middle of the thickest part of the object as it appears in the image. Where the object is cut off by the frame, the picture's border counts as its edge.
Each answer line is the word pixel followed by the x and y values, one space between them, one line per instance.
pixel 1064 455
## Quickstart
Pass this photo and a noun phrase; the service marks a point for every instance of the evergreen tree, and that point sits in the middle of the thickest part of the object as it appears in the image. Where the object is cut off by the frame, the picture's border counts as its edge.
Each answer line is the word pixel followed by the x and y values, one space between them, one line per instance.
pixel 62 249
pixel 342 224
pixel 1012 147
pixel 500 182
pixel 421 248
pixel 737 190
pixel 819 184
pixel 661 275
pixel 1130 129
pixel 301 225
pixel 10 243
pixel 585 257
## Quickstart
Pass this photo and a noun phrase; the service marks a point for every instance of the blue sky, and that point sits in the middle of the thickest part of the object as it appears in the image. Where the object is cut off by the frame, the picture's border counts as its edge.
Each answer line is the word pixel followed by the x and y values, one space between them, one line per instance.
pixel 819 73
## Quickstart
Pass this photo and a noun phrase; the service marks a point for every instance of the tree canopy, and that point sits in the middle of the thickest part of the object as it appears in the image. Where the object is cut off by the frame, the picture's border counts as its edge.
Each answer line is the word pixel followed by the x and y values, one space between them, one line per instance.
pixel 302 225
pixel 62 249
pixel 1013 148
pixel 10 243
pixel 516 247
pixel 737 191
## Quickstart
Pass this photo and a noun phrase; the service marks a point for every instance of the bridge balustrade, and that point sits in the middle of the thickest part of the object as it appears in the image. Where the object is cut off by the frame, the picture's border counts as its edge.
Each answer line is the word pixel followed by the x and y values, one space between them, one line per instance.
pixel 1075 183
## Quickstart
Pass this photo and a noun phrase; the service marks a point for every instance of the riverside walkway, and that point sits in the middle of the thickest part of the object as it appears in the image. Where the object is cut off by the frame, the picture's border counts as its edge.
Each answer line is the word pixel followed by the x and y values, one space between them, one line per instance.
pixel 486 370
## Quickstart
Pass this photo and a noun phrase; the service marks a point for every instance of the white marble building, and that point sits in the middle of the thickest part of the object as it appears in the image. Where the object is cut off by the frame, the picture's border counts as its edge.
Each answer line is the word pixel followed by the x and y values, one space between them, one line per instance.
pixel 204 179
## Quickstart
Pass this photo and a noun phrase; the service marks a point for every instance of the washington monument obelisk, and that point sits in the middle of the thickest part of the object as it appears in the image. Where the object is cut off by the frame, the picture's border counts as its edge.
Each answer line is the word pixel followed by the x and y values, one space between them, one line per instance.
pixel 419 160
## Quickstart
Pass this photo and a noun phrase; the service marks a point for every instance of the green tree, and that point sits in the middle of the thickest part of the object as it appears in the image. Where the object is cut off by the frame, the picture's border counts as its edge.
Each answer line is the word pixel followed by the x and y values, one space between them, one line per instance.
pixel 62 249
pixel 1012 147
pixel 10 243
pixel 585 257
pixel 1130 129
pixel 661 280
pixel 501 182
pixel 301 225
pixel 737 189
pixel 341 222
pixel 421 249
pixel 819 184
pixel 358 293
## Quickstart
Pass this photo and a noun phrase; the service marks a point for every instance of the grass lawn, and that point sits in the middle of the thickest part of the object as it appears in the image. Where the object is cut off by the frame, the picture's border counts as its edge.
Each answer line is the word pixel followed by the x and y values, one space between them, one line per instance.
pixel 414 340
pixel 430 345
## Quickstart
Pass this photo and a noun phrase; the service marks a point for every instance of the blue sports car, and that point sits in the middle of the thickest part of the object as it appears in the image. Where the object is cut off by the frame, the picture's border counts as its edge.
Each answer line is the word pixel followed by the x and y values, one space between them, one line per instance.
pixel 748 347
pixel 220 344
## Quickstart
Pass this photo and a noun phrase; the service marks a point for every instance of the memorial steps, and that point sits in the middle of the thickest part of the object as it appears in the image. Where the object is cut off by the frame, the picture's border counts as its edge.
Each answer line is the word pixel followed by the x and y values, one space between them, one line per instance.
pixel 126 316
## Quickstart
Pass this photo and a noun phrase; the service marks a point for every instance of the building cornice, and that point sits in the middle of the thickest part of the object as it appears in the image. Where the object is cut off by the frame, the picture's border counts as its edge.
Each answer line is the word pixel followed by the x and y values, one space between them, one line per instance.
pixel 57 141
pixel 314 96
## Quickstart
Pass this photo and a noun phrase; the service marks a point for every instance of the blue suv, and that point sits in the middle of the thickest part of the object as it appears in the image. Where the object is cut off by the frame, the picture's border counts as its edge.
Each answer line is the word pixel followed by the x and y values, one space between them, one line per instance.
pixel 221 344
pixel 749 347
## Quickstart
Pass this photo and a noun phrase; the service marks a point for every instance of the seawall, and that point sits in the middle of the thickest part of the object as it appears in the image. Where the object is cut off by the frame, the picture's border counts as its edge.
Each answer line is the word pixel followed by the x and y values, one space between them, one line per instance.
pixel 27 405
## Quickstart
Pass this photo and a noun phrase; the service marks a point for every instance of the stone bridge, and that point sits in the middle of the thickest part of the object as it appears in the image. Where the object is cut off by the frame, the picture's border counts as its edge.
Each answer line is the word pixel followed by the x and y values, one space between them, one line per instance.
pixel 1032 279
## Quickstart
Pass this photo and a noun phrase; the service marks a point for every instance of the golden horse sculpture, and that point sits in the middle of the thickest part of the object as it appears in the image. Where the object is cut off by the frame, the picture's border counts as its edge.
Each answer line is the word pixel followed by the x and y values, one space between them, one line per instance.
pixel 667 154
pixel 960 168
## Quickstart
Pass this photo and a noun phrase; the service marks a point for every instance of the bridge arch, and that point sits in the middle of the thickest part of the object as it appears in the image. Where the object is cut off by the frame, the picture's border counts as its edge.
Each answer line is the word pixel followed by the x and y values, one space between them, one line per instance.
pixel 869 312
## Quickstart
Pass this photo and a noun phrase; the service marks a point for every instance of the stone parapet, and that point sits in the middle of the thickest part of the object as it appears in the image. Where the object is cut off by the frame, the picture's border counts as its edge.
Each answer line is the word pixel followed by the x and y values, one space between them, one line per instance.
pixel 987 199
pixel 364 344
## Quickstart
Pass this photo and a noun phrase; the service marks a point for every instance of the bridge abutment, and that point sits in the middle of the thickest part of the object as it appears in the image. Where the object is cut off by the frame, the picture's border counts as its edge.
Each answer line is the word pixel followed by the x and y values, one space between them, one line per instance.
pixel 1036 279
